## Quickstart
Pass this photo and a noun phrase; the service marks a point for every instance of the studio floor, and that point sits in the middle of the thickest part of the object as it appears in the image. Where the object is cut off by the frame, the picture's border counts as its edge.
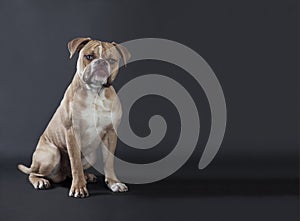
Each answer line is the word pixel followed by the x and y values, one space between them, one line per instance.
pixel 171 199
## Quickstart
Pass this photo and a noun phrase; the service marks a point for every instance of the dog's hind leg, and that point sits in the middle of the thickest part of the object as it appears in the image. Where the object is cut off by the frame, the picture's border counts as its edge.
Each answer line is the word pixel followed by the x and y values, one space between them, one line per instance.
pixel 45 166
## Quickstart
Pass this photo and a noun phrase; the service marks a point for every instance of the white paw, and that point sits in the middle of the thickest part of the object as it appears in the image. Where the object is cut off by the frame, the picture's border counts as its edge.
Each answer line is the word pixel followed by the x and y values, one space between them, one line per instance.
pixel 78 191
pixel 118 187
pixel 41 183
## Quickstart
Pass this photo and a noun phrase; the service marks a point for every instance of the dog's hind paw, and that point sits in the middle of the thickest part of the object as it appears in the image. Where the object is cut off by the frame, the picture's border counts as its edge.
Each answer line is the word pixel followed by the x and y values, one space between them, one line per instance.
pixel 90 178
pixel 40 183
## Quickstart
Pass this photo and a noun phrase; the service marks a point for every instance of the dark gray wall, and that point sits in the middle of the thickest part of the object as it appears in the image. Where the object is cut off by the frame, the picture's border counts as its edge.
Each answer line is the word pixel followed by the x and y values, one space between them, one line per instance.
pixel 251 46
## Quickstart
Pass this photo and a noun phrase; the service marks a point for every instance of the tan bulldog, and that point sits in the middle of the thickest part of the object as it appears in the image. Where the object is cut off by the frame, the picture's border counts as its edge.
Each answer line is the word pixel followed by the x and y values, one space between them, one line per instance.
pixel 85 119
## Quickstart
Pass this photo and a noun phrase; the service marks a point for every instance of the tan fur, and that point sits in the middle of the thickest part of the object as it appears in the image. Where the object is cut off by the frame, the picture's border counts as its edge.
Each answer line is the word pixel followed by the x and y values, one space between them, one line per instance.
pixel 80 124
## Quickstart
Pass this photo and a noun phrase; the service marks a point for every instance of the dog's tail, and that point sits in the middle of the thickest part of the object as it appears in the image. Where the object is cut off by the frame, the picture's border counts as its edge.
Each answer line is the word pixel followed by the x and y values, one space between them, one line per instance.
pixel 24 169
pixel 27 170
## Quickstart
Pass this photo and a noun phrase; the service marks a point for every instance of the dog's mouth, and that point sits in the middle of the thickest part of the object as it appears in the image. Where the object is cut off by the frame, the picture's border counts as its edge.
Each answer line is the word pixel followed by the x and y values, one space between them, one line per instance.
pixel 101 78
pixel 100 75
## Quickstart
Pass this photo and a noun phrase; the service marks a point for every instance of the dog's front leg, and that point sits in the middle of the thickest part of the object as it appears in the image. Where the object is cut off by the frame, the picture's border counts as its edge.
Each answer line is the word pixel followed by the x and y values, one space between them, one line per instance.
pixel 109 142
pixel 78 187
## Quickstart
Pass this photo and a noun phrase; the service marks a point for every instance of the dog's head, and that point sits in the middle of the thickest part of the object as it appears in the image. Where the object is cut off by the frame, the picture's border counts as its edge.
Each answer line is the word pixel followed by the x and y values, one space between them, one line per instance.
pixel 98 62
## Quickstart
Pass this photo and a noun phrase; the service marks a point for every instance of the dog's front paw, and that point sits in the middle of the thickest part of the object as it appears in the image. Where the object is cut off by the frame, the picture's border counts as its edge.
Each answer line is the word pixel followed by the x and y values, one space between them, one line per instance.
pixel 78 190
pixel 116 186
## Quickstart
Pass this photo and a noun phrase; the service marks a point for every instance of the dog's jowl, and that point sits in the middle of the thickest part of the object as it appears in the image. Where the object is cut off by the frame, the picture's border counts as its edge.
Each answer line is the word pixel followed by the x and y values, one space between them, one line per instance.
pixel 86 119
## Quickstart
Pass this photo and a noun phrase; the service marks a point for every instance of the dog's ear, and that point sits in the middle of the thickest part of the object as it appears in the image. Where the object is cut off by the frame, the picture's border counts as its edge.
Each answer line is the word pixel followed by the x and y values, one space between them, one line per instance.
pixel 76 45
pixel 123 52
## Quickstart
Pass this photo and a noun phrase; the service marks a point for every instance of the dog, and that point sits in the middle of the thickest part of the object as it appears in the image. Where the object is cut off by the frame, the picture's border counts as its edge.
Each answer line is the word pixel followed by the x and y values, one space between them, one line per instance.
pixel 86 118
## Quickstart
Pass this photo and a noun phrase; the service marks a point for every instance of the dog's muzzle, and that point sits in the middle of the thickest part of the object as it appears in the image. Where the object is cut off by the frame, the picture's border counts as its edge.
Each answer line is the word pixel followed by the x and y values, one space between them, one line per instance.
pixel 97 73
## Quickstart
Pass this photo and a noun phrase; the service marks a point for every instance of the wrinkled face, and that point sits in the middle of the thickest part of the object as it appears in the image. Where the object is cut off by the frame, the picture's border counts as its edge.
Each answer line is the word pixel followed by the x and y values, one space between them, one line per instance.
pixel 98 63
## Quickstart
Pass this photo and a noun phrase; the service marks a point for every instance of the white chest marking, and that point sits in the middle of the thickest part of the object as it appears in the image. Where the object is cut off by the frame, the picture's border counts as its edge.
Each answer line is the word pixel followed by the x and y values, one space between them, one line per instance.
pixel 93 119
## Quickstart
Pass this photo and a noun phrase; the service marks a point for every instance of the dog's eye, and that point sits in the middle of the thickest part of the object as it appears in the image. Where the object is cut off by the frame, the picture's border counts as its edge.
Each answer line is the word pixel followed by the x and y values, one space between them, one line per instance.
pixel 89 57
pixel 112 61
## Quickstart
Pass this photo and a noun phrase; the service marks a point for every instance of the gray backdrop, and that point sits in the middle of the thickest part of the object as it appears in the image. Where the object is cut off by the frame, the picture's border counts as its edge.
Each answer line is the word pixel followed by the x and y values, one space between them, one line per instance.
pixel 251 46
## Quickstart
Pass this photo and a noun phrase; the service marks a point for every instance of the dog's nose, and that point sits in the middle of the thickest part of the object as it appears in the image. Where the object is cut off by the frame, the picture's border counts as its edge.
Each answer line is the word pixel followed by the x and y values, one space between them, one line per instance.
pixel 101 62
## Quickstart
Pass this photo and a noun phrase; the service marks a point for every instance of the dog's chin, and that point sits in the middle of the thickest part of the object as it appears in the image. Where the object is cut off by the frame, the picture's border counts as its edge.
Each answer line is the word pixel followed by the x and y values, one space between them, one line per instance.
pixel 96 84
pixel 100 81
pixel 96 80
